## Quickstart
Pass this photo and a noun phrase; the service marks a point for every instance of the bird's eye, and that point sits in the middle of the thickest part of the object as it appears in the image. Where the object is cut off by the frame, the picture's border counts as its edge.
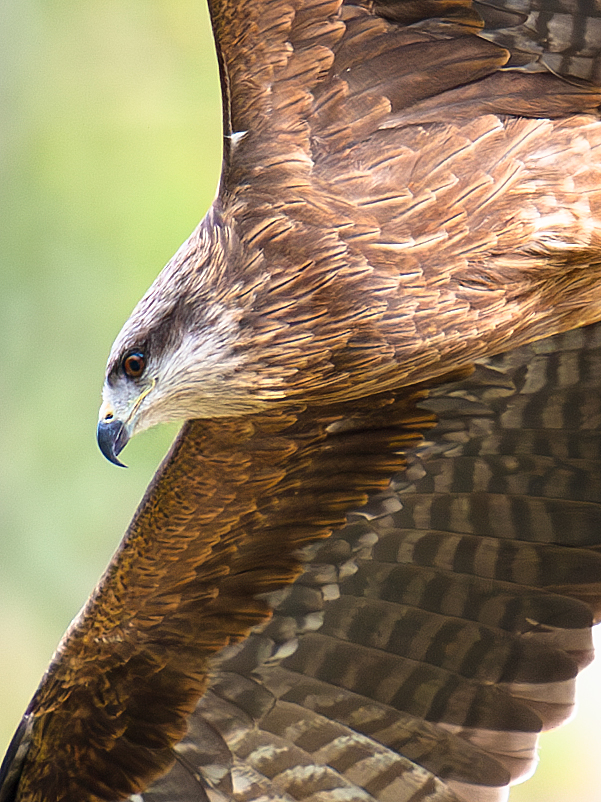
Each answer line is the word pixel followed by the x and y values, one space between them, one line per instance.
pixel 134 364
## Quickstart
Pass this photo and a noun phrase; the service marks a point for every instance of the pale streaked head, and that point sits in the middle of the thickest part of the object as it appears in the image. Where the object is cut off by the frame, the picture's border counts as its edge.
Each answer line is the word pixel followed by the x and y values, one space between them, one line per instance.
pixel 181 354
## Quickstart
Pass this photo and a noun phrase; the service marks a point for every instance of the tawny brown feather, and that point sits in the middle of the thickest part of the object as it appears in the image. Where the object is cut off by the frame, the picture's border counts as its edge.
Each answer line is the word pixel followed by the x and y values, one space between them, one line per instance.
pixel 131 668
pixel 392 205
pixel 407 187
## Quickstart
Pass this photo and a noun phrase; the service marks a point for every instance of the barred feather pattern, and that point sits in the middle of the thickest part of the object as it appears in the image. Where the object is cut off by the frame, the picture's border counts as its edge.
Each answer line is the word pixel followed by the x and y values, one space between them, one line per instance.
pixel 409 186
pixel 431 639
pixel 561 37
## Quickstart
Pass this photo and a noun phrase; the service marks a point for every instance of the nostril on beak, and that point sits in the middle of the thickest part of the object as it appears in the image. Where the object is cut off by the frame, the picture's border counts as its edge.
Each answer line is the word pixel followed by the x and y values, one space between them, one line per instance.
pixel 112 437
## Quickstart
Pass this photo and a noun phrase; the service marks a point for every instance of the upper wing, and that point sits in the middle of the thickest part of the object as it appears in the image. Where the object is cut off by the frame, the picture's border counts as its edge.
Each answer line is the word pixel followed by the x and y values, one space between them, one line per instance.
pixel 407 194
pixel 277 59
pixel 433 637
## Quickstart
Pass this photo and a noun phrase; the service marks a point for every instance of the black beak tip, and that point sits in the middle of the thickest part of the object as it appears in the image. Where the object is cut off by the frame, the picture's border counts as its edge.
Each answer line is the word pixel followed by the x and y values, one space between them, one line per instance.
pixel 112 438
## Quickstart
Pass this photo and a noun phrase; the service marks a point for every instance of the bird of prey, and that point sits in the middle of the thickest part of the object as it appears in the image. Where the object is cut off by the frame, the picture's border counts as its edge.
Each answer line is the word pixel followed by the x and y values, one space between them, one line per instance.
pixel 369 566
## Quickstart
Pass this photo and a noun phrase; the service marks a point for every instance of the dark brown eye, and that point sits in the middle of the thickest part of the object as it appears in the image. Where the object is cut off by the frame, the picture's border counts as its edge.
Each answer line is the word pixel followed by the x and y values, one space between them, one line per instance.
pixel 134 364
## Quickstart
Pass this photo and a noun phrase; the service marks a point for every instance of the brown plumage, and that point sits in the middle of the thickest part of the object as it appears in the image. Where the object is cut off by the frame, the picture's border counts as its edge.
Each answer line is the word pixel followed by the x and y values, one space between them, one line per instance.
pixel 383 215
pixel 408 188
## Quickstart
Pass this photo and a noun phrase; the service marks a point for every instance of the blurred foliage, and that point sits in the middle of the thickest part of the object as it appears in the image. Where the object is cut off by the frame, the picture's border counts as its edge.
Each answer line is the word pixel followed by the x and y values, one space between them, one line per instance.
pixel 109 155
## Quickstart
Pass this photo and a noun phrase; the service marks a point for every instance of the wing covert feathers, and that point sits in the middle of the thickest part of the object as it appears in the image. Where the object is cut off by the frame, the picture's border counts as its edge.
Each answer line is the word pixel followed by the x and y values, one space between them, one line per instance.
pixel 402 195
pixel 219 526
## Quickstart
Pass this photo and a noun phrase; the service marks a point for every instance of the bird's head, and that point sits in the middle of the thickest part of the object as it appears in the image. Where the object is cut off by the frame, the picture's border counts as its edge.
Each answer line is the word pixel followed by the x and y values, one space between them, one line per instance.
pixel 182 354
pixel 130 381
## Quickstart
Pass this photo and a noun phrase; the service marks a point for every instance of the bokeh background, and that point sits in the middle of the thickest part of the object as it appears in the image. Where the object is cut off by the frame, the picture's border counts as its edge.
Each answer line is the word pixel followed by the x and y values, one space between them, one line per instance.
pixel 109 155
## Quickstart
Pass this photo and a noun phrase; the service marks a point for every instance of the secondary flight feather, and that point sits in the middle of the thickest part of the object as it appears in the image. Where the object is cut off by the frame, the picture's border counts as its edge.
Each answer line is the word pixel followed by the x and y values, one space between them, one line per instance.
pixel 408 188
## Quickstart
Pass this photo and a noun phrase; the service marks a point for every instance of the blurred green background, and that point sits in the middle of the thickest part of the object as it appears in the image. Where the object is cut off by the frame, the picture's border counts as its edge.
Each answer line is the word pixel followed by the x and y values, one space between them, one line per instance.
pixel 109 155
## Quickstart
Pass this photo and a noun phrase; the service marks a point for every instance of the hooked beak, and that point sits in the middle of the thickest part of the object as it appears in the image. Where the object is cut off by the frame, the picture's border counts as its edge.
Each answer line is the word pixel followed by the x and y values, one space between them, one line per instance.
pixel 112 438
pixel 112 435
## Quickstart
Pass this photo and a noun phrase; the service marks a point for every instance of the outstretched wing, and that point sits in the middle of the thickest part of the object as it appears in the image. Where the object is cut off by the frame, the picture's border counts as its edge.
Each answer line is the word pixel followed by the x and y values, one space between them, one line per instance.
pixel 420 653
pixel 432 638
pixel 220 525
pixel 468 590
